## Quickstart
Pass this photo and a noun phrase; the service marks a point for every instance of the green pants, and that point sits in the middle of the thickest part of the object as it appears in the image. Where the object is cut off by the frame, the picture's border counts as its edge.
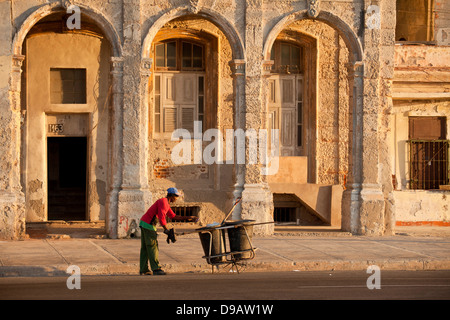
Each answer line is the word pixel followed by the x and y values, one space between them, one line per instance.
pixel 149 250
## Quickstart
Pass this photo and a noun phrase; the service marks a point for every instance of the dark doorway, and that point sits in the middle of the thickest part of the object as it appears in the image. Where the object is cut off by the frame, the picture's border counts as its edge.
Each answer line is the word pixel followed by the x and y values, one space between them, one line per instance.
pixel 66 167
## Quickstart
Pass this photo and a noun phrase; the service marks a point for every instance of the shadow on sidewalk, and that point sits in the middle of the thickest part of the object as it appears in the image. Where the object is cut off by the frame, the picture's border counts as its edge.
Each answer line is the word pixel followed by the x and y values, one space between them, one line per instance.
pixel 66 230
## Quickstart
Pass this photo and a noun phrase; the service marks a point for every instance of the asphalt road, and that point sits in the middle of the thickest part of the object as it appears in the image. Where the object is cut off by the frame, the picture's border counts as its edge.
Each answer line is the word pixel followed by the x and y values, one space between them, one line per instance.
pixel 340 285
pixel 393 285
pixel 275 295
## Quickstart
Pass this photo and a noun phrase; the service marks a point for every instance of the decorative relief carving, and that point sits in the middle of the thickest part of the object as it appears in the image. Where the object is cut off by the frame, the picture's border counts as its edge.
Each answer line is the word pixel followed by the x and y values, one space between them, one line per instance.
pixel 66 4
pixel 313 8
pixel 194 6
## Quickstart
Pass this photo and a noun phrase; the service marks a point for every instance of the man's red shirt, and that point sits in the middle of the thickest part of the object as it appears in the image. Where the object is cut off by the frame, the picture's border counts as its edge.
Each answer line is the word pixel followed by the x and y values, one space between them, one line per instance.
pixel 161 209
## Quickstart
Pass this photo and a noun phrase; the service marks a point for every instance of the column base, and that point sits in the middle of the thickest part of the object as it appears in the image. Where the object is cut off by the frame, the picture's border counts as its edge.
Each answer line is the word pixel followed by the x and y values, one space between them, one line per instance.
pixel 257 204
pixel 363 210
pixel 132 205
pixel 12 222
pixel 371 211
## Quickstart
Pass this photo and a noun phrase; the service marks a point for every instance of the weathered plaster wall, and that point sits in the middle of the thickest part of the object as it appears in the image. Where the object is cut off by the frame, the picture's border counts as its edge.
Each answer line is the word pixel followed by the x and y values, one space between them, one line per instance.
pixel 422 207
pixel 420 88
pixel 47 51
pixel 400 127
pixel 352 124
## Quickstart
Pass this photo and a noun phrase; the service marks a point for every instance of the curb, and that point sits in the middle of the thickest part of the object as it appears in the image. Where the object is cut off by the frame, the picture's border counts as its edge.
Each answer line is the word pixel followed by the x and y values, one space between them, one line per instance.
pixel 133 269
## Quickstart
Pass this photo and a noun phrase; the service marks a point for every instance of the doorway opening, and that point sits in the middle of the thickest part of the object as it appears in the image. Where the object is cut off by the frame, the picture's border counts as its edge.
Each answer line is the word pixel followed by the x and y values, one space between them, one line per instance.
pixel 67 177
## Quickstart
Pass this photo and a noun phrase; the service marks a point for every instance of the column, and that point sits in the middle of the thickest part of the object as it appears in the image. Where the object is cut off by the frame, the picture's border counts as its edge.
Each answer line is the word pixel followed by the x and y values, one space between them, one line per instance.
pixel 237 67
pixel 351 195
pixel 115 146
pixel 134 197
pixel 12 200
pixel 257 201
pixel 372 202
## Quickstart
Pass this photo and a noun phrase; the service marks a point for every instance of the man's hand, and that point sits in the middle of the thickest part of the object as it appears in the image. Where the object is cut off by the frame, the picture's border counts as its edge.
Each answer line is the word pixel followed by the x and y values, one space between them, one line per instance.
pixel 191 218
pixel 170 235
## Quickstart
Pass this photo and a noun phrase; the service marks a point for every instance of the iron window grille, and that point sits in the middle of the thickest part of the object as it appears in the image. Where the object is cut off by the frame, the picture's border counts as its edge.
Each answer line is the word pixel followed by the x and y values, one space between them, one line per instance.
pixel 185 211
pixel 428 164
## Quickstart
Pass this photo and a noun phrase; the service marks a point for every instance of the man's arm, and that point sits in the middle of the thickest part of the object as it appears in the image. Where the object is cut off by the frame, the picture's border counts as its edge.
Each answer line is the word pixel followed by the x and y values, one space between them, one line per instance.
pixel 187 218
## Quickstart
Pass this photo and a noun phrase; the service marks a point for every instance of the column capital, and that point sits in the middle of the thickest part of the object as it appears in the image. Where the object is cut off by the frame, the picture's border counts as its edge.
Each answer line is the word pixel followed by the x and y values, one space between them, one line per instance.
pixel 237 67
pixel 146 66
pixel 117 64
pixel 355 69
pixel 266 67
pixel 17 61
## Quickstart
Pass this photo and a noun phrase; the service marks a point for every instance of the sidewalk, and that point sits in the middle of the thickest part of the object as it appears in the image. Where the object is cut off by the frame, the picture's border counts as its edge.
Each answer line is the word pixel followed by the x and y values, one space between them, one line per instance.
pixel 409 249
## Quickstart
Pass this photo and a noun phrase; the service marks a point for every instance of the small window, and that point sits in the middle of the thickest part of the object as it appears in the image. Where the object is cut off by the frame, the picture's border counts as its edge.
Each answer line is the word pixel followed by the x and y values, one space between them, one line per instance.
pixel 186 211
pixel 166 55
pixel 67 86
pixel 287 58
pixel 192 56
pixel 179 55
pixel 180 88
pixel 429 153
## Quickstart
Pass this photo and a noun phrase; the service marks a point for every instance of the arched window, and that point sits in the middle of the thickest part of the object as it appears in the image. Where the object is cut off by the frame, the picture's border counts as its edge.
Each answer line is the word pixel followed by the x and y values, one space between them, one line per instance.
pixel 179 85
pixel 286 97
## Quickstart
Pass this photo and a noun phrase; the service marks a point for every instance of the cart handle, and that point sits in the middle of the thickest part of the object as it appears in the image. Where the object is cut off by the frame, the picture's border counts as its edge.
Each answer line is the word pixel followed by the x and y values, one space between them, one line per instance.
pixel 234 205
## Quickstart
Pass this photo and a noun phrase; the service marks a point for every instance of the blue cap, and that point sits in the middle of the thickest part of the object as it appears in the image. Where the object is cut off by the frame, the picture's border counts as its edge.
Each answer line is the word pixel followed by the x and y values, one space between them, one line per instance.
pixel 173 191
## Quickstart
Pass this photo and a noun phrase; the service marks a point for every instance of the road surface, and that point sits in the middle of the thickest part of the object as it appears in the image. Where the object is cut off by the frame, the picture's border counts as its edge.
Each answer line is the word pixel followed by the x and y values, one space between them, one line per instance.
pixel 250 285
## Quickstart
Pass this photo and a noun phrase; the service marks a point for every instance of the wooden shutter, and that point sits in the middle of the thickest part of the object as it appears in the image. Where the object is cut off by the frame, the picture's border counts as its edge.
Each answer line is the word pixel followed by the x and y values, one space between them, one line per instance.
pixel 287 132
pixel 187 117
pixel 170 119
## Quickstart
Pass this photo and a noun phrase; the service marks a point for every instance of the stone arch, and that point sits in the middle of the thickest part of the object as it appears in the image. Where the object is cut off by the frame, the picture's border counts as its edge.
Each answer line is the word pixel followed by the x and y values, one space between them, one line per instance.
pixel 344 30
pixel 349 209
pixel 106 26
pixel 223 24
pixel 113 39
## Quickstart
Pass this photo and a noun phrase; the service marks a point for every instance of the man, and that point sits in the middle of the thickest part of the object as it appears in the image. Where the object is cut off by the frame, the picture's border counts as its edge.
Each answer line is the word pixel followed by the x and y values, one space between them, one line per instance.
pixel 149 243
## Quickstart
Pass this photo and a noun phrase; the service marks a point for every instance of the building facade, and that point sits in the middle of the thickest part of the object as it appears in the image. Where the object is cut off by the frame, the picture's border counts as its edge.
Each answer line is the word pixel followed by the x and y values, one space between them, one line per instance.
pixel 106 104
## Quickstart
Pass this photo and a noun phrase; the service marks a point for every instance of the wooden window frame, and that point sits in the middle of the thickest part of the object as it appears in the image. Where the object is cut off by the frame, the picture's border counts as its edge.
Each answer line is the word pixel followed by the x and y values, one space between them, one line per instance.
pixel 179 55
pixel 276 57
